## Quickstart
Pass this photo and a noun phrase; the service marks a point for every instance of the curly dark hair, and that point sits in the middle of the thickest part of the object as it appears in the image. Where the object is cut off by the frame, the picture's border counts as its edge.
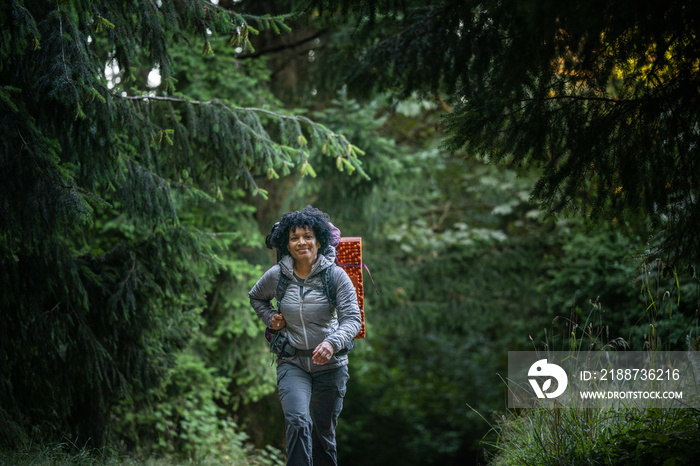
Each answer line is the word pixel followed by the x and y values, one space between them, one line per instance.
pixel 308 217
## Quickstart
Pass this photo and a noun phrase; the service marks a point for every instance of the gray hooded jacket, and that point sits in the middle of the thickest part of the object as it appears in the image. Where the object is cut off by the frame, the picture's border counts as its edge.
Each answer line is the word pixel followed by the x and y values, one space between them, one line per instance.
pixel 306 310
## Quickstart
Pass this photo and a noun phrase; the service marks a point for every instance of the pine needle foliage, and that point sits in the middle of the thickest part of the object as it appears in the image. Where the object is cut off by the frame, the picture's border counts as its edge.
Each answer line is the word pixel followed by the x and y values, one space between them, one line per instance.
pixel 601 95
pixel 100 280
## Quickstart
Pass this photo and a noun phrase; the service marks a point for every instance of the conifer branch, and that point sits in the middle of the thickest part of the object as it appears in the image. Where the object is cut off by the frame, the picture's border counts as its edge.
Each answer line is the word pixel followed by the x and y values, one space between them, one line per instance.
pixel 282 116
pixel 282 47
pixel 583 98
pixel 146 98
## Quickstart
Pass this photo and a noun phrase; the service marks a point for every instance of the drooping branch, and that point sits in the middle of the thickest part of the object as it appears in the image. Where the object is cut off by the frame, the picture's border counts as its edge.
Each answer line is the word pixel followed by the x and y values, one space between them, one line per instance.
pixel 293 144
pixel 282 47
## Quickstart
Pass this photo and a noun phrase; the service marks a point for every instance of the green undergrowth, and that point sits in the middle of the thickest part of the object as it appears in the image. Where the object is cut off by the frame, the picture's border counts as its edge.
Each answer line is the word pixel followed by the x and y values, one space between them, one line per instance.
pixel 59 454
pixel 572 435
pixel 665 437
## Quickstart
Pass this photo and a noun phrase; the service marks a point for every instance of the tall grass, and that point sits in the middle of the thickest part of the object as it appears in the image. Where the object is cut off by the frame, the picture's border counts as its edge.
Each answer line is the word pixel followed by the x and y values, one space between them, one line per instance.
pixel 595 437
pixel 583 436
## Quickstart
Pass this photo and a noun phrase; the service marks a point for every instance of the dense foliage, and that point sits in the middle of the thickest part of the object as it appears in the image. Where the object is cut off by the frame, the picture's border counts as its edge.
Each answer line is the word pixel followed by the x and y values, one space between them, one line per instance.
pixel 133 212
pixel 106 263
pixel 601 96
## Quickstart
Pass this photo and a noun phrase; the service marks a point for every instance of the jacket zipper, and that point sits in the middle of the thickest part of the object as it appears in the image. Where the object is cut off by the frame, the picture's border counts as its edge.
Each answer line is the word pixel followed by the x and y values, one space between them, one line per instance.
pixel 301 318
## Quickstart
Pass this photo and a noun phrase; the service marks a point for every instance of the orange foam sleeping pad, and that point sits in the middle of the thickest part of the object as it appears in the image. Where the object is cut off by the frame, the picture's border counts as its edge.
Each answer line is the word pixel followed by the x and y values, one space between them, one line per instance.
pixel 350 252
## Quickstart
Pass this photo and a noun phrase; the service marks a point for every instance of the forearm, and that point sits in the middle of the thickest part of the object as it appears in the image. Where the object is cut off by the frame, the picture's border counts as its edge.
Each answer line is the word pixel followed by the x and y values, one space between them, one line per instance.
pixel 349 327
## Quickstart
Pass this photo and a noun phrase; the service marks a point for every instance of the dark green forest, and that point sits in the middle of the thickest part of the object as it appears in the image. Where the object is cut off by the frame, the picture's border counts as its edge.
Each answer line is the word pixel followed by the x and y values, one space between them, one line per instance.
pixel 524 175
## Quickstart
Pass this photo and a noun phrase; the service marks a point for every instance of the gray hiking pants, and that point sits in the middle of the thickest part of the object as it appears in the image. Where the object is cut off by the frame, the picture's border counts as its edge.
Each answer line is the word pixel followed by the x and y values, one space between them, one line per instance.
pixel 311 402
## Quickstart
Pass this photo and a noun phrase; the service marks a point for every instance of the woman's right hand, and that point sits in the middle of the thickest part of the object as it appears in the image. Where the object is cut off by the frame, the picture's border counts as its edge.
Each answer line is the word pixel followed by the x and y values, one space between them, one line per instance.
pixel 277 322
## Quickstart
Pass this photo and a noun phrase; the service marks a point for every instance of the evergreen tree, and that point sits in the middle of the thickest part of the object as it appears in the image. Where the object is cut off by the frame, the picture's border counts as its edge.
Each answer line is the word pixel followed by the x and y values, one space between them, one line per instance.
pixel 101 280
pixel 601 95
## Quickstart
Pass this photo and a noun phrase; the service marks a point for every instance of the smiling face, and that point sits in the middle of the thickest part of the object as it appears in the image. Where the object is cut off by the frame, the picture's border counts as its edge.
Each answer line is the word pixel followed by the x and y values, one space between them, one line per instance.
pixel 303 245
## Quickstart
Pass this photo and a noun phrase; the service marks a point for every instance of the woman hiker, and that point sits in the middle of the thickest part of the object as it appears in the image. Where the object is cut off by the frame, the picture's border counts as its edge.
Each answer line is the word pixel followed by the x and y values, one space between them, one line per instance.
pixel 311 383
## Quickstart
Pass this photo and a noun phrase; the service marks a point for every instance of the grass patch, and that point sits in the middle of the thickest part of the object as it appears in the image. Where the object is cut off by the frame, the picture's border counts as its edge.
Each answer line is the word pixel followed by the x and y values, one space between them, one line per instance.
pixel 60 454
pixel 565 436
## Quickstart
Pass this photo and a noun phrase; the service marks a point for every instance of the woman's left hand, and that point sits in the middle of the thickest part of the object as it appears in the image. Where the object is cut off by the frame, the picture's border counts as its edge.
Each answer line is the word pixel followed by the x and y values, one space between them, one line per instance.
pixel 323 353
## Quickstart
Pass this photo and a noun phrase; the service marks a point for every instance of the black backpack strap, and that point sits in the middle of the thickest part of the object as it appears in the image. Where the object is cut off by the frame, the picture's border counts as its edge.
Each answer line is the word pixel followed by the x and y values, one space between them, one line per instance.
pixel 281 289
pixel 329 288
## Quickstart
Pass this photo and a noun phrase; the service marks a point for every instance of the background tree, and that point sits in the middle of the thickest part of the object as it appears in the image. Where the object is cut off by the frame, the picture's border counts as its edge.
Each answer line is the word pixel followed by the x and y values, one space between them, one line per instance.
pixel 602 97
pixel 103 279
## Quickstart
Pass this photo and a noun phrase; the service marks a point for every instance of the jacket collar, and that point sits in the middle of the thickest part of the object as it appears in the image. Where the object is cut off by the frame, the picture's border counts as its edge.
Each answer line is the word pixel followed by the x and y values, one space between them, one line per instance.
pixel 287 265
